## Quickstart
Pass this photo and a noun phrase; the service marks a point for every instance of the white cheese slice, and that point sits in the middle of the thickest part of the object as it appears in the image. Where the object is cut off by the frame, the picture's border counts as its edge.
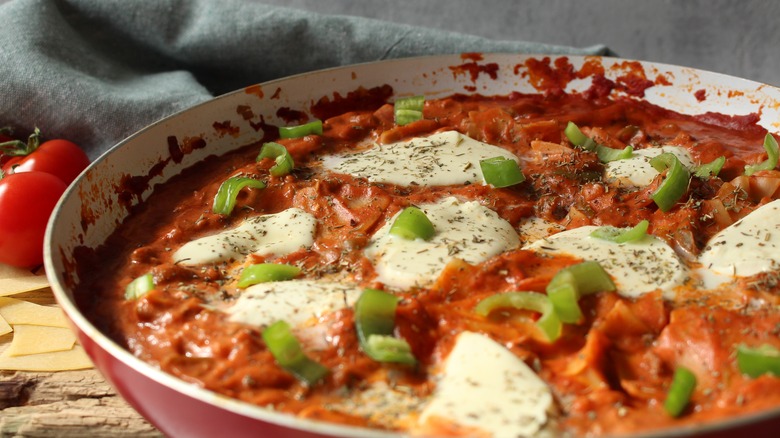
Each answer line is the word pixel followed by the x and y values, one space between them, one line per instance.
pixel 298 302
pixel 637 171
pixel 636 267
pixel 464 229
pixel 446 158
pixel 747 247
pixel 485 387
pixel 272 234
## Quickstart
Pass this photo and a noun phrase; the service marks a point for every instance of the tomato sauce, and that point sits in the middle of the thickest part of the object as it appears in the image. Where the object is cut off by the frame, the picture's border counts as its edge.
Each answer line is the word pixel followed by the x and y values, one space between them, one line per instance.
pixel 608 374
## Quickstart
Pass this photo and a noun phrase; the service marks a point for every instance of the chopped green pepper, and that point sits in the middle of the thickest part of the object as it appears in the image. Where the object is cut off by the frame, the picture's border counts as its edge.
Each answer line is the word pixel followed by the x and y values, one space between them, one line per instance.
pixel 548 322
pixel 772 152
pixel 560 305
pixel 139 287
pixel 564 297
pixel 387 348
pixel 501 172
pixel 225 199
pixel 289 355
pixel 265 272
pixel 412 223
pixel 314 127
pixel 573 282
pixel 284 161
pixel 607 154
pixel 577 138
pixel 674 185
pixel 759 360
pixel 622 235
pixel 408 110
pixel 680 391
pixel 375 323
pixel 711 168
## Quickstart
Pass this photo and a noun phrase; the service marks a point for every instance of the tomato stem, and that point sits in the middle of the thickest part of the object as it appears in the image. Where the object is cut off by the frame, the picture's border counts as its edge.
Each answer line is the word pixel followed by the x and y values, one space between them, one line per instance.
pixel 18 148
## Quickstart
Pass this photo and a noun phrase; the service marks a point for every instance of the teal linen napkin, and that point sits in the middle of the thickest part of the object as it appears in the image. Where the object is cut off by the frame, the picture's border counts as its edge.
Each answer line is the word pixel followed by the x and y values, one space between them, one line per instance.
pixel 95 71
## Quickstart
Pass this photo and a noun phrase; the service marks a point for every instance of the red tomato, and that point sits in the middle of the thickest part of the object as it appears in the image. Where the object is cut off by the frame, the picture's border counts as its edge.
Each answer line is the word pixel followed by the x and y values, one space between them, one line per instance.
pixel 57 157
pixel 8 162
pixel 26 202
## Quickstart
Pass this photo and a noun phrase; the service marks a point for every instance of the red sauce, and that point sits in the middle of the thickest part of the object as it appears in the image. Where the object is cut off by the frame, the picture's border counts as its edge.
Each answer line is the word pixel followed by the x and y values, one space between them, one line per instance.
pixel 544 76
pixel 473 69
pixel 634 82
pixel 291 116
pixel 609 374
pixel 358 100
pixel 256 90
pixel 226 128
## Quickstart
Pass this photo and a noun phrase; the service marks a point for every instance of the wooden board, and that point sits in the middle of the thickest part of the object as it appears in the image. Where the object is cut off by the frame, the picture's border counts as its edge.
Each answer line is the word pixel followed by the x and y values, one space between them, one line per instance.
pixel 65 404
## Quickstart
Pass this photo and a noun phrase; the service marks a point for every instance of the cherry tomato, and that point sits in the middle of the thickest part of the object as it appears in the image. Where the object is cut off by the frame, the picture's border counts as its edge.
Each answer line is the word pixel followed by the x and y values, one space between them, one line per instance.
pixel 57 157
pixel 26 202
pixel 8 162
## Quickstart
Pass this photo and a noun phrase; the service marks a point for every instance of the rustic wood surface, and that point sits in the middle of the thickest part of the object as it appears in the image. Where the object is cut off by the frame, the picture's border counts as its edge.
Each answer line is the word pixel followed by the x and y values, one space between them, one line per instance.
pixel 64 404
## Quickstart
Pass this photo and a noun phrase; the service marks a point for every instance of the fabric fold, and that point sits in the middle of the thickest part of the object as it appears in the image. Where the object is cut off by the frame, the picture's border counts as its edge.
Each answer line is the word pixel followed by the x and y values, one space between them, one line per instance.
pixel 95 71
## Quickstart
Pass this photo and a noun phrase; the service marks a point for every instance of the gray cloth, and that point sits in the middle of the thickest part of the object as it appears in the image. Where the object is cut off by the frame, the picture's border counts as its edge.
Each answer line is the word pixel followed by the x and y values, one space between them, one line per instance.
pixel 95 71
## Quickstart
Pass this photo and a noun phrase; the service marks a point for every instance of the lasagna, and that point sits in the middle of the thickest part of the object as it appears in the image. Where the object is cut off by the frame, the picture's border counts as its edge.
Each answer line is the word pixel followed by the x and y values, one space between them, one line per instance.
pixel 519 265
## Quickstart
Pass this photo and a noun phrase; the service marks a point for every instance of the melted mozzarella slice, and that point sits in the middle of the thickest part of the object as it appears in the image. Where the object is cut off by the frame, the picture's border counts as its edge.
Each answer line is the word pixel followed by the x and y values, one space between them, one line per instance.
pixel 636 267
pixel 297 301
pixel 487 389
pixel 464 230
pixel 637 171
pixel 745 248
pixel 271 234
pixel 446 158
